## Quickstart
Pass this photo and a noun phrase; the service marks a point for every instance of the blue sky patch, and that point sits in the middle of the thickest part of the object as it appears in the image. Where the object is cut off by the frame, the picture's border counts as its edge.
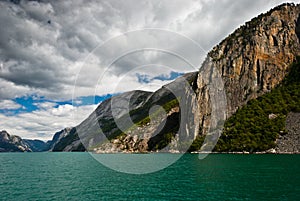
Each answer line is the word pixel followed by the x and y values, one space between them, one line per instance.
pixel 90 100
pixel 142 78
pixel 31 103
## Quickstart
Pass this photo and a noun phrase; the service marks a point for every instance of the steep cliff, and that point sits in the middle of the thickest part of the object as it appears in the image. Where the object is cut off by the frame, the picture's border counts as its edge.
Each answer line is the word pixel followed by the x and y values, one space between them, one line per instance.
pixel 267 123
pixel 253 60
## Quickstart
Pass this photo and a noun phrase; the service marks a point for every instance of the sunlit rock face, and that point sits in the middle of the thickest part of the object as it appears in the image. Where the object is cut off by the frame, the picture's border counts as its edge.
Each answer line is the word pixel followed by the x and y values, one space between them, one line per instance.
pixel 252 60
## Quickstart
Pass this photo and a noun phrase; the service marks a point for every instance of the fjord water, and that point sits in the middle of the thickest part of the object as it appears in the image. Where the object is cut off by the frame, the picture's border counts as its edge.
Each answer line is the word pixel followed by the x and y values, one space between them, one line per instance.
pixel 77 176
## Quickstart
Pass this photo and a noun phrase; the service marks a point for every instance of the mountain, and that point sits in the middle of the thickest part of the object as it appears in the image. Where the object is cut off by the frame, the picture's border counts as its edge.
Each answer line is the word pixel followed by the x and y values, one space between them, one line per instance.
pixel 12 143
pixel 36 145
pixel 251 63
pixel 57 137
pixel 131 112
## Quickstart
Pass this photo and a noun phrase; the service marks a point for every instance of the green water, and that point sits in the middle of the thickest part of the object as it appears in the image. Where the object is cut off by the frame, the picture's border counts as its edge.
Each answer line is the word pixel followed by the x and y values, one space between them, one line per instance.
pixel 77 176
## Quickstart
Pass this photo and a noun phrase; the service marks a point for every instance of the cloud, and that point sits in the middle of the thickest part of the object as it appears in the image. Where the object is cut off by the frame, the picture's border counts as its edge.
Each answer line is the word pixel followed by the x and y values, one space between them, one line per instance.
pixel 45 105
pixel 44 42
pixel 9 105
pixel 42 124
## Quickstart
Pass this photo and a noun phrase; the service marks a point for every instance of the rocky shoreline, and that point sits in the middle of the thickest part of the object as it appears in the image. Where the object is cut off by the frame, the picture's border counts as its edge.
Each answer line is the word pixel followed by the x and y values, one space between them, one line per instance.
pixel 271 151
pixel 287 143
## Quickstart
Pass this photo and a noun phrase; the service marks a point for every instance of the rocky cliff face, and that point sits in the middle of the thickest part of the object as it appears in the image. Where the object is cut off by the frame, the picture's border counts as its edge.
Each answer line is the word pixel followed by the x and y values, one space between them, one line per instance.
pixel 12 143
pixel 249 63
pixel 252 60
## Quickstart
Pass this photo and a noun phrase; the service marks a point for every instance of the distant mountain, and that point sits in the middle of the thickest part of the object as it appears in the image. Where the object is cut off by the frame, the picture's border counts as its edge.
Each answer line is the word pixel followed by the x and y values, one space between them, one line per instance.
pixel 12 143
pixel 36 145
pixel 63 134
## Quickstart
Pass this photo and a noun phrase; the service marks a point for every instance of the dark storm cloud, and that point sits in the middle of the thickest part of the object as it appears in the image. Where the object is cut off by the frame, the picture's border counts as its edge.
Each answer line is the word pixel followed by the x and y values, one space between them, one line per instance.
pixel 43 43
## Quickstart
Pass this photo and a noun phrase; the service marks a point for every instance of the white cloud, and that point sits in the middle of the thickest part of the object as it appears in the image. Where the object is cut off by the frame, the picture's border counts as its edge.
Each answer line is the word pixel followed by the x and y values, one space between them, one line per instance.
pixel 42 124
pixel 9 104
pixel 45 105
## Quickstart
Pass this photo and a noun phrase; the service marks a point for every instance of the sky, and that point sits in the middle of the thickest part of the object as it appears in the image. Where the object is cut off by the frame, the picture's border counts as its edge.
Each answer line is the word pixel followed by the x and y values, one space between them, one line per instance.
pixel 60 59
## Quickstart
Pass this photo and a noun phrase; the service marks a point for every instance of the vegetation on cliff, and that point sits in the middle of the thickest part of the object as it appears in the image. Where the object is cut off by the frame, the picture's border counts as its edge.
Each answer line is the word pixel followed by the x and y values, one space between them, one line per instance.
pixel 257 125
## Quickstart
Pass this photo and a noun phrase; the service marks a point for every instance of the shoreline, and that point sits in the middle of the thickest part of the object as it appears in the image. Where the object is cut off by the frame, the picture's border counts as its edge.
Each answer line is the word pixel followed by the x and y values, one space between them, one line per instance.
pixel 199 152
pixel 248 153
pixel 195 152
